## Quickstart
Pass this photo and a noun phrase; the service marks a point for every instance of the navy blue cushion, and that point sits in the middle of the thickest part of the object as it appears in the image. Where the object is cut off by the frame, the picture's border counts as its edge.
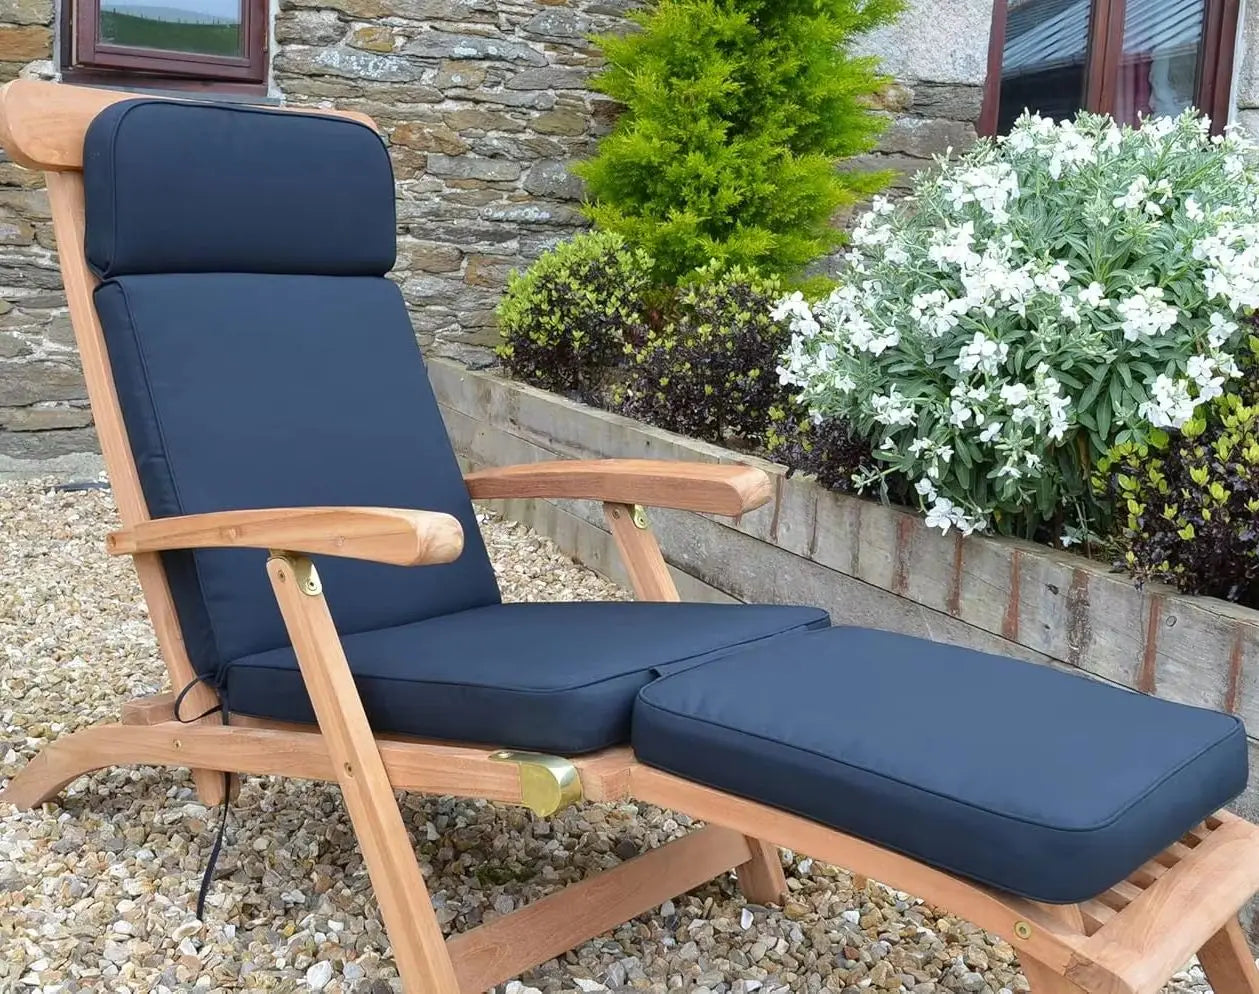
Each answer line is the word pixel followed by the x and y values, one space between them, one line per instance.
pixel 242 391
pixel 1042 783
pixel 193 188
pixel 555 677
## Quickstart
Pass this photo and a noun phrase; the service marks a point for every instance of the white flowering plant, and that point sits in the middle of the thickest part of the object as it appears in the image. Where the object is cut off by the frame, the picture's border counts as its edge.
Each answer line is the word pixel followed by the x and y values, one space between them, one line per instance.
pixel 1036 301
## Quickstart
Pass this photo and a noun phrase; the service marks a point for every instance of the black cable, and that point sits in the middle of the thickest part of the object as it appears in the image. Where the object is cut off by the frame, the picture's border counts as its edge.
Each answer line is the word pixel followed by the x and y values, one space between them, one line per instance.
pixel 208 877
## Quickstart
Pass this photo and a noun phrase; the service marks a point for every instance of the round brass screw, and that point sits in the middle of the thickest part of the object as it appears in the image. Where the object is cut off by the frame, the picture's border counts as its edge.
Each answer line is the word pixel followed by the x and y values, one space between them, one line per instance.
pixel 1023 930
pixel 178 744
pixel 349 770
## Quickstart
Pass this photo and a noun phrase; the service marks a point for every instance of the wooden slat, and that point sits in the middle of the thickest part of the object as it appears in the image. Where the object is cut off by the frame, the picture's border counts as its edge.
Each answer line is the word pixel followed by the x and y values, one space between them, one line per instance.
pixel 1096 913
pixel 1120 895
pixel 547 928
pixel 42 124
pixel 1146 874
pixel 1173 854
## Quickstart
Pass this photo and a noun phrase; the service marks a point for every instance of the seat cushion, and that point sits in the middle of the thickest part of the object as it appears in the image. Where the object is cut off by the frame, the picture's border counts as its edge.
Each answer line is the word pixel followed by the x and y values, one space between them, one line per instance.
pixel 1042 783
pixel 559 677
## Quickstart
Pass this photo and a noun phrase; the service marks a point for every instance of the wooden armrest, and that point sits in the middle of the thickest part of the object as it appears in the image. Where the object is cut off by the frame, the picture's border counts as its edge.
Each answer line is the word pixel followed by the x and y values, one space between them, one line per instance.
pixel 377 534
pixel 687 486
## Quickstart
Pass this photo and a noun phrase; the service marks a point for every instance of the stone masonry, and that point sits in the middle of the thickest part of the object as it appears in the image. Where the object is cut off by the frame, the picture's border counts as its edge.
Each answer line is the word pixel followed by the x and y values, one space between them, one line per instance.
pixel 483 103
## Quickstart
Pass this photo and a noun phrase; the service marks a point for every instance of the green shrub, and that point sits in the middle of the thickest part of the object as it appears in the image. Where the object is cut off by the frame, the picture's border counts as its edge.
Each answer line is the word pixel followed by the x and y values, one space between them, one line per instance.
pixel 736 111
pixel 564 321
pixel 1189 503
pixel 829 451
pixel 711 372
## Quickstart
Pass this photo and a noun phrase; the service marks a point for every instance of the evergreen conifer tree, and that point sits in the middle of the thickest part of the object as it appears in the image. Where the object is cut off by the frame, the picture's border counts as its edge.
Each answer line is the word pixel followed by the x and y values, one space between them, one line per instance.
pixel 735 114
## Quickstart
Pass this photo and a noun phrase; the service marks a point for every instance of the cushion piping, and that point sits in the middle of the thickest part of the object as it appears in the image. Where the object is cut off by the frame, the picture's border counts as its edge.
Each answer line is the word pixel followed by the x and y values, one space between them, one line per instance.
pixel 1237 724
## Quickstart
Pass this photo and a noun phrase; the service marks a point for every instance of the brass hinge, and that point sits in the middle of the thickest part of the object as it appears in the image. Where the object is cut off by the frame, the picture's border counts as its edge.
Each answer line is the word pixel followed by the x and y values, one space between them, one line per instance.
pixel 304 572
pixel 639 516
pixel 547 783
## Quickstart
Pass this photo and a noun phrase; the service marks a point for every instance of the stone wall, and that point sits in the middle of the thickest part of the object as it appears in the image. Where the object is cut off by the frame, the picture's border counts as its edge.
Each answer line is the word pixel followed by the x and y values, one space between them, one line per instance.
pixel 44 420
pixel 484 103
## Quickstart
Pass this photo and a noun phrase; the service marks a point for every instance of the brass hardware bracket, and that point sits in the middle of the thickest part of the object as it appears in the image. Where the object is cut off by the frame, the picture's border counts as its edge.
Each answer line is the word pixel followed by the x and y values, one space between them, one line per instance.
pixel 639 517
pixel 547 783
pixel 304 571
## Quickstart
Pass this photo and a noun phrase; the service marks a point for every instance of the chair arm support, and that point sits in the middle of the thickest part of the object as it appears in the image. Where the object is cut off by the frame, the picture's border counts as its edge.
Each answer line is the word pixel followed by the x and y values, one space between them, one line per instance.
pixel 687 486
pixel 377 534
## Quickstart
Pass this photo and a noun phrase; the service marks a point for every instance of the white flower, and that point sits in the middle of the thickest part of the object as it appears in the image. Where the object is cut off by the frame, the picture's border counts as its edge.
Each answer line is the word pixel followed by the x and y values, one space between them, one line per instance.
pixel 1015 393
pixel 959 413
pixel 982 353
pixel 1193 210
pixel 1202 370
pixel 1170 405
pixel 892 409
pixel 1094 295
pixel 941 514
pixel 991 432
pixel 1146 315
pixel 796 311
pixel 1134 199
pixel 1221 330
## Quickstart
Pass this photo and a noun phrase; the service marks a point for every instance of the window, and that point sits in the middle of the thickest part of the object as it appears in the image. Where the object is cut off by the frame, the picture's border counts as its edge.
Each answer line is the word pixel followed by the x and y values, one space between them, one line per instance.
pixel 1127 58
pixel 166 42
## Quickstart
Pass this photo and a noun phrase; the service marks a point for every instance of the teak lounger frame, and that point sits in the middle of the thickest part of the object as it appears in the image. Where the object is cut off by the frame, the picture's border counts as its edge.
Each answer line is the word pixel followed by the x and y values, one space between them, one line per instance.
pixel 1128 940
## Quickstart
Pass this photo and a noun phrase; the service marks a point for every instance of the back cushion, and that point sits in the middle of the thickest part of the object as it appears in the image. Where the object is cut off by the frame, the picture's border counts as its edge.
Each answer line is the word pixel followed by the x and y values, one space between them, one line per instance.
pixel 262 359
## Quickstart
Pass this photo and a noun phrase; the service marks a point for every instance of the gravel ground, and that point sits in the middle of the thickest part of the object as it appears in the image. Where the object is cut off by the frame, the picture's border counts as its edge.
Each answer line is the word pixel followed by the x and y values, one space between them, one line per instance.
pixel 97 892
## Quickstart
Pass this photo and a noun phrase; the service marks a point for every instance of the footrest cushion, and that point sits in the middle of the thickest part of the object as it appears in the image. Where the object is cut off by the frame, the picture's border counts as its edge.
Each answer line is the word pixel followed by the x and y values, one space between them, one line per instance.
pixel 1042 783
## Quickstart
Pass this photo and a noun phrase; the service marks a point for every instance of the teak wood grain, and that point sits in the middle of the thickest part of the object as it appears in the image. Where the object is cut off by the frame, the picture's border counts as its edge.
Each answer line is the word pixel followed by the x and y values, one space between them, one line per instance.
pixel 640 552
pixel 714 488
pixel 1224 958
pixel 385 535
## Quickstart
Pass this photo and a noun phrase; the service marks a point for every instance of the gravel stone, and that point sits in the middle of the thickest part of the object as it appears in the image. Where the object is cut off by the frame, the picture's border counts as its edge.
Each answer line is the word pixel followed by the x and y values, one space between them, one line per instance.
pixel 97 892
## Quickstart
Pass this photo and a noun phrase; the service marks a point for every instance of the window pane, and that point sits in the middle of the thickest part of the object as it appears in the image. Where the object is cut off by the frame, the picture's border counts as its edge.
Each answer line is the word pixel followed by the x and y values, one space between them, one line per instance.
pixel 203 27
pixel 1046 50
pixel 1162 45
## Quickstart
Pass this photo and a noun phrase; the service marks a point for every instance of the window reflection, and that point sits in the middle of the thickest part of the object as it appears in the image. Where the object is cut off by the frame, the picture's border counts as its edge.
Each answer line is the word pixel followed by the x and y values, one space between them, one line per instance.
pixel 1045 55
pixel 207 27
pixel 1161 58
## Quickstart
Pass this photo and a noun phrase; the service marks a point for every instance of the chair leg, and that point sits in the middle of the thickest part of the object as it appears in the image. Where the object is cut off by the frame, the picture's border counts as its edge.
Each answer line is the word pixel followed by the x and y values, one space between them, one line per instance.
pixel 761 878
pixel 1228 962
pixel 419 949
pixel 1042 979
